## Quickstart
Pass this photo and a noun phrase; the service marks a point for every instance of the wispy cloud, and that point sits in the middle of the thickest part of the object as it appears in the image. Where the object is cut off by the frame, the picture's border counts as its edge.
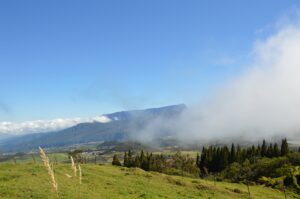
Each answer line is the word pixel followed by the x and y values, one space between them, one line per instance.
pixel 264 101
pixel 39 126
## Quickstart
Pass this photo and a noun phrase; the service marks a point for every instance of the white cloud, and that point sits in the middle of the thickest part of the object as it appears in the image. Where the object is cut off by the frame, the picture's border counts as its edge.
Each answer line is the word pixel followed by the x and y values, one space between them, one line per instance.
pixel 264 101
pixel 38 126
pixel 261 103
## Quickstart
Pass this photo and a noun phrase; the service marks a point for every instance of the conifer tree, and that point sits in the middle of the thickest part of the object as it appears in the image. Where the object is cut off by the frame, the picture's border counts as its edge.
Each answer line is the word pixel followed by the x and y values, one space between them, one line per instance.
pixel 137 162
pixel 203 158
pixel 130 159
pixel 263 149
pixel 232 154
pixel 239 154
pixel 276 152
pixel 224 157
pixel 284 147
pixel 116 161
pixel 125 162
pixel 197 160
pixel 269 152
pixel 258 150
pixel 143 161
pixel 253 151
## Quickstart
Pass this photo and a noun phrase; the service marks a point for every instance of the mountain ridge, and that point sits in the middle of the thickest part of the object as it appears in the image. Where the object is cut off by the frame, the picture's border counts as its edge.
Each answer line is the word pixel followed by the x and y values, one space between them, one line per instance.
pixel 122 125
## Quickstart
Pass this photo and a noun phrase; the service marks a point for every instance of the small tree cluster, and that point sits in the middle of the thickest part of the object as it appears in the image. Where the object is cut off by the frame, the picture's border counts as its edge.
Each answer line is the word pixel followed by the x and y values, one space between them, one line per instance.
pixel 146 161
pixel 116 161
pixel 160 163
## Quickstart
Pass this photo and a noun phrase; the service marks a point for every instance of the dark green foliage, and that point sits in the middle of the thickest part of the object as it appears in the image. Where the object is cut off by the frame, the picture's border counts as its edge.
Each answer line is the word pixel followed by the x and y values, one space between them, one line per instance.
pixel 216 159
pixel 264 163
pixel 263 151
pixel 276 152
pixel 184 163
pixel 237 172
pixel 198 159
pixel 268 167
pixel 284 147
pixel 264 167
pixel 116 161
pixel 178 164
pixel 232 157
pixel 288 181
pixel 128 159
pixel 125 162
pixel 239 154
pixel 294 158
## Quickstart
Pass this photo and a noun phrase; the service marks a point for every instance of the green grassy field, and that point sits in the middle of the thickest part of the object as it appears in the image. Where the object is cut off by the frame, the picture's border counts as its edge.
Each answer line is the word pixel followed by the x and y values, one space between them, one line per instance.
pixel 105 181
pixel 30 158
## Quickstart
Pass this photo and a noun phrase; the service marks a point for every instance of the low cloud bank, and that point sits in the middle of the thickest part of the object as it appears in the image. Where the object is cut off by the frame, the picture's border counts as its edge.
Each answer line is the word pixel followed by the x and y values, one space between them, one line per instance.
pixel 39 126
pixel 263 102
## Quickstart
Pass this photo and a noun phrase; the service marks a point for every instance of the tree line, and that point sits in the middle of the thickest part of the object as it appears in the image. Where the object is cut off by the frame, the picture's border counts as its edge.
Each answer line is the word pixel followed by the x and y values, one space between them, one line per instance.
pixel 270 164
pixel 213 159
pixel 177 164
pixel 216 158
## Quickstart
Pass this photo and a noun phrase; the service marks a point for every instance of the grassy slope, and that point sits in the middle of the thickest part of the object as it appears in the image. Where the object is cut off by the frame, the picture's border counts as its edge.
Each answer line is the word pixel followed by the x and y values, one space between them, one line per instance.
pixel 31 181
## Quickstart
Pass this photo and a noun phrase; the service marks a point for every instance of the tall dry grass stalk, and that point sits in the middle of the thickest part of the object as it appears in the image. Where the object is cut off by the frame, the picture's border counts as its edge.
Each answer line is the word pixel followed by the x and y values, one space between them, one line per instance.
pixel 80 174
pixel 80 179
pixel 50 170
pixel 74 168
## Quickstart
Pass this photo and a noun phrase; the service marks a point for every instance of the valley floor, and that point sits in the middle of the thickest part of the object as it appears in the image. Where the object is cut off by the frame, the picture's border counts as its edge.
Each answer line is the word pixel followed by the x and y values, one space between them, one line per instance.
pixel 109 182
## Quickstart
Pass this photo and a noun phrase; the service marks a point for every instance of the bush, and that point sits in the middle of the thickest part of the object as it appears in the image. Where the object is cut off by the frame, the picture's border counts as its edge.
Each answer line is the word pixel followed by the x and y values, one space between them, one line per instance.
pixel 294 158
pixel 233 172
pixel 267 167
pixel 270 182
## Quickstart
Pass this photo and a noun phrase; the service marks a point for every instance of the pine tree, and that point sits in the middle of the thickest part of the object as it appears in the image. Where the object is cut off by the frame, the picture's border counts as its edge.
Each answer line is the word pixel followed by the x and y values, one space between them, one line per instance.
pixel 150 161
pixel 270 151
pixel 197 160
pixel 224 157
pixel 258 150
pixel 263 149
pixel 284 147
pixel 116 161
pixel 276 152
pixel 232 154
pixel 143 161
pixel 137 162
pixel 125 162
pixel 253 150
pixel 238 154
pixel 203 158
pixel 130 159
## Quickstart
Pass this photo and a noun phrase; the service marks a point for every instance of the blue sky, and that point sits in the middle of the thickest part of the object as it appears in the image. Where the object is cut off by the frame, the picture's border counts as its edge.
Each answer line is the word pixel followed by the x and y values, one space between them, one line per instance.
pixel 84 58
